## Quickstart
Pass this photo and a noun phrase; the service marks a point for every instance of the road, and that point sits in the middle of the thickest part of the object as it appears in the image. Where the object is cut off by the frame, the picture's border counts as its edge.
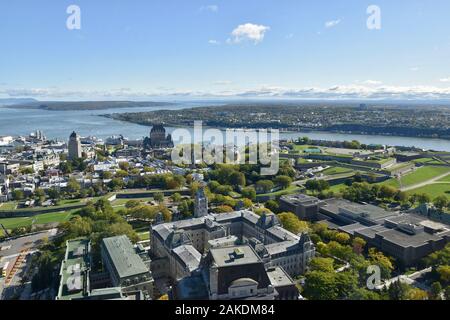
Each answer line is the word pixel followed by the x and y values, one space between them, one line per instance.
pixel 425 183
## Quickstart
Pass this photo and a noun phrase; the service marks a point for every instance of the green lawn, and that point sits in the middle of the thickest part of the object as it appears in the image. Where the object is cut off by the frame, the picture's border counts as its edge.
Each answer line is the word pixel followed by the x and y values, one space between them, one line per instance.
pixel 420 175
pixel 428 161
pixel 423 174
pixel 445 179
pixel 433 190
pixel 336 170
pixel 11 223
pixel 338 187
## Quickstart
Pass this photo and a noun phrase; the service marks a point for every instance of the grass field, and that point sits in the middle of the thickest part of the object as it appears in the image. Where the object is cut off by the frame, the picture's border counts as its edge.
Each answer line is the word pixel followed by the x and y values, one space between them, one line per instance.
pixel 446 179
pixel 428 161
pixel 433 190
pixel 12 223
pixel 420 175
pixel 336 170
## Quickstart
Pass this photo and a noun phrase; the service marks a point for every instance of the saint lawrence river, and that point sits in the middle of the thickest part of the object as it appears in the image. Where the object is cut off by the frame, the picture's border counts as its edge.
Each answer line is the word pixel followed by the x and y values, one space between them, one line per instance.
pixel 59 124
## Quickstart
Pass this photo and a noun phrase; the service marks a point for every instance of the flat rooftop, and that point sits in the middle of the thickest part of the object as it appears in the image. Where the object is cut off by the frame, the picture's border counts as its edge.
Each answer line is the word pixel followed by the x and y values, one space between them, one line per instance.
pixel 124 257
pixel 74 270
pixel 235 255
pixel 278 277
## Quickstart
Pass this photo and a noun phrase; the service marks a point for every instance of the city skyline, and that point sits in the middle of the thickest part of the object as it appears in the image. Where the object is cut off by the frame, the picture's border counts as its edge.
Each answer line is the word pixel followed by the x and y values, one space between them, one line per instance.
pixel 224 49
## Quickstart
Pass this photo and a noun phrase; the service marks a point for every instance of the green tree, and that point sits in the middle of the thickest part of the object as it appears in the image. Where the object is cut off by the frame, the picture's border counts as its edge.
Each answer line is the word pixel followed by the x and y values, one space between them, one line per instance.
pixel 283 181
pixel 321 264
pixel 249 192
pixel 159 197
pixel 292 223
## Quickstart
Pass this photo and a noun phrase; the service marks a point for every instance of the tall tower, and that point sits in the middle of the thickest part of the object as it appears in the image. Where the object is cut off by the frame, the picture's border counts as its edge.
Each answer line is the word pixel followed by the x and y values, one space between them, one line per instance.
pixel 201 203
pixel 74 146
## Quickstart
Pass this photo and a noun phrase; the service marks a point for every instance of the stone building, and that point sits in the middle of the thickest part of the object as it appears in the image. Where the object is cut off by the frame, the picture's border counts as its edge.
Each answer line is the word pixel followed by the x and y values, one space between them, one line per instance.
pixel 158 138
pixel 75 150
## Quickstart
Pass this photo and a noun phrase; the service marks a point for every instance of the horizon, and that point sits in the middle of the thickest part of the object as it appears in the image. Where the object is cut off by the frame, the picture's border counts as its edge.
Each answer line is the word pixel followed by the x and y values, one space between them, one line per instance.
pixel 209 50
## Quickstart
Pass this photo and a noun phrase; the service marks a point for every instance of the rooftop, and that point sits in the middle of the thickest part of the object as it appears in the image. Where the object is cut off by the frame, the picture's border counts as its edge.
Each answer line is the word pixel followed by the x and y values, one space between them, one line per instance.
pixel 124 257
pixel 235 255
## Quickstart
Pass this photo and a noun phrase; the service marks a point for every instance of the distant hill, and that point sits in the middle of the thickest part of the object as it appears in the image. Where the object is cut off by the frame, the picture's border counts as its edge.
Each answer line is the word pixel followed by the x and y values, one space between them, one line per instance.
pixel 15 101
pixel 85 105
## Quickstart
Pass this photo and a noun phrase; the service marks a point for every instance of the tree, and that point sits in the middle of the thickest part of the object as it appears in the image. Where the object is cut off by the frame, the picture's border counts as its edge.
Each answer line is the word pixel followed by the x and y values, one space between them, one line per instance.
pixel 159 197
pixel 223 209
pixel 342 238
pixel 272 205
pixel 321 264
pixel 440 202
pixel 358 245
pixel 320 285
pixel 237 179
pixel 444 273
pixel 435 292
pixel 378 258
pixel 423 198
pixel 398 290
pixel 116 184
pixel 265 185
pixel 416 294
pixel 283 181
pixel 73 187
pixel 292 223
pixel 176 197
pixel 249 192
pixel 132 204
pixel 18 195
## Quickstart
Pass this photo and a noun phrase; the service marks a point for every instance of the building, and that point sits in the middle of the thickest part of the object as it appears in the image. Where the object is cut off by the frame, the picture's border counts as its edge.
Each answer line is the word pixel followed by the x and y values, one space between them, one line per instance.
pixel 158 138
pixel 128 266
pixel 76 277
pixel 74 271
pixel 75 150
pixel 305 207
pixel 236 273
pixel 405 236
pixel 200 203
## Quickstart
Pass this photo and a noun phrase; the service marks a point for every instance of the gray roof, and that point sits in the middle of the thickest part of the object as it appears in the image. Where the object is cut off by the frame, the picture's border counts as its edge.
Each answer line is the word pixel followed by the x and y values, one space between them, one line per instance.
pixel 124 257
pixel 278 277
pixel 280 247
pixel 235 255
pixel 189 256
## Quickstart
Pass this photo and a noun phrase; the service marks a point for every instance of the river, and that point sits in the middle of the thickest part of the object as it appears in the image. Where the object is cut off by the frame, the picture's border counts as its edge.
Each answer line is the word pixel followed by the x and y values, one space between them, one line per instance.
pixel 59 124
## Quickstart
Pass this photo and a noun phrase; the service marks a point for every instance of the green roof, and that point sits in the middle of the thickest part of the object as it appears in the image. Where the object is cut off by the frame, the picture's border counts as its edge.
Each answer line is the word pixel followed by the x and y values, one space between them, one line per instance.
pixel 123 257
pixel 74 270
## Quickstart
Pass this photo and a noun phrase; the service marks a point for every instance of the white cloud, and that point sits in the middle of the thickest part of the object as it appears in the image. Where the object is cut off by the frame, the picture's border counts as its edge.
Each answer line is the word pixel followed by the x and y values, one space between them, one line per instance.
pixel 337 92
pixel 414 69
pixel 372 82
pixel 249 31
pixel 214 42
pixel 211 8
pixel 332 23
pixel 222 83
pixel 445 79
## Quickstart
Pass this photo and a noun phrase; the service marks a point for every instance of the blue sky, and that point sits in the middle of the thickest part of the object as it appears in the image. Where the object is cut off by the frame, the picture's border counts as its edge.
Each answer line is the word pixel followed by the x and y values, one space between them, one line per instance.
pixel 142 49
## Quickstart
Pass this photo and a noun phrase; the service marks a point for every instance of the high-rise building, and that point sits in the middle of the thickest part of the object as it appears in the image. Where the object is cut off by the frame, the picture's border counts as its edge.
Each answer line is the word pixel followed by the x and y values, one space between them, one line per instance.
pixel 75 150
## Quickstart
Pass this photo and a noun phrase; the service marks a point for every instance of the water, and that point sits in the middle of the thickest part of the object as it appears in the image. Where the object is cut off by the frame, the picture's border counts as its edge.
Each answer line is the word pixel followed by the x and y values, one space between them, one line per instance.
pixel 59 124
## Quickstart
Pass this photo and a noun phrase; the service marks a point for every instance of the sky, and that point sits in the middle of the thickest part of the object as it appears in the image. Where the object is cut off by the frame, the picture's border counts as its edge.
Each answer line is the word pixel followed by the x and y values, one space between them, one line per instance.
pixel 297 49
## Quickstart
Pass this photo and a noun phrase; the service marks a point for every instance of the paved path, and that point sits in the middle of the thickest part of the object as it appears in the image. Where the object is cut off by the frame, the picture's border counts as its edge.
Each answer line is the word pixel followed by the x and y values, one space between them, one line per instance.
pixel 425 183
